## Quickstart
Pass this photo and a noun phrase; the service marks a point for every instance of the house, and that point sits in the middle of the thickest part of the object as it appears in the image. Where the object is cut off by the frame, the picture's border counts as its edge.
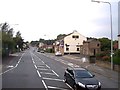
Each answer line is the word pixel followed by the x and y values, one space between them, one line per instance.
pixel 91 47
pixel 119 41
pixel 70 43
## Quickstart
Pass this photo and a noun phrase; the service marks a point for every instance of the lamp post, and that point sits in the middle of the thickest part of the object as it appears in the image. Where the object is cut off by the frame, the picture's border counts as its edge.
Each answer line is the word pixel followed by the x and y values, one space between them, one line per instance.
pixel 111 30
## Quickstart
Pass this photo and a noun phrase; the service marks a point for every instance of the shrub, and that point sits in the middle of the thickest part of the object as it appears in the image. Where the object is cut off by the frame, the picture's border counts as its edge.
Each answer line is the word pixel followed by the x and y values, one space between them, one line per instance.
pixel 106 58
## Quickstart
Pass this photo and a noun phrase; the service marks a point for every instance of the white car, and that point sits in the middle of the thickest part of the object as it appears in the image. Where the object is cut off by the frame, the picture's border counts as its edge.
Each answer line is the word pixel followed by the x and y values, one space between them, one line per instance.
pixel 58 53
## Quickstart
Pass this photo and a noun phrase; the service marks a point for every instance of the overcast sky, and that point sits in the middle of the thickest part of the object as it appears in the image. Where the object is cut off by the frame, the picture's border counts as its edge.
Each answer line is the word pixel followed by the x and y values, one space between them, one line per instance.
pixel 49 18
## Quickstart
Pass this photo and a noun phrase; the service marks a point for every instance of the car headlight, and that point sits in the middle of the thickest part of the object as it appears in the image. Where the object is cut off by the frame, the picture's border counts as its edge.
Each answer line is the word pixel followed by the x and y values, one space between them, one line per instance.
pixel 80 84
pixel 99 84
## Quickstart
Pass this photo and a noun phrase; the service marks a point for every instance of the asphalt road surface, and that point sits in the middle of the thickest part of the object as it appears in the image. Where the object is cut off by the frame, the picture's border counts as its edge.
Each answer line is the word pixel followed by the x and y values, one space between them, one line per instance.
pixel 34 70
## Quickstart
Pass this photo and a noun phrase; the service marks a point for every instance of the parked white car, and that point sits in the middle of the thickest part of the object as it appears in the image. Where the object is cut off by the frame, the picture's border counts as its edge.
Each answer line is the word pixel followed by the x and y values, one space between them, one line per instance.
pixel 58 53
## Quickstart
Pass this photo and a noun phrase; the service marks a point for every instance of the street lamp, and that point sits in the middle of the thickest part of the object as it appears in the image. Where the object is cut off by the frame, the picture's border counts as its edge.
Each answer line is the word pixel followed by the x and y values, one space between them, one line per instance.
pixel 111 30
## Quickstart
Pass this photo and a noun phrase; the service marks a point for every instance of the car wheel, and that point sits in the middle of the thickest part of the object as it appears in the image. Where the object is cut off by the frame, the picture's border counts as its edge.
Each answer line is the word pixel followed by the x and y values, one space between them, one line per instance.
pixel 75 87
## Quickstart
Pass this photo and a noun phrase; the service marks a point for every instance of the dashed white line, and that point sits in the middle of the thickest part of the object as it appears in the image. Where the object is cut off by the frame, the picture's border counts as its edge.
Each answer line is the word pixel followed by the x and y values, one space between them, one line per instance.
pixel 44 85
pixel 52 79
pixel 38 73
pixel 55 73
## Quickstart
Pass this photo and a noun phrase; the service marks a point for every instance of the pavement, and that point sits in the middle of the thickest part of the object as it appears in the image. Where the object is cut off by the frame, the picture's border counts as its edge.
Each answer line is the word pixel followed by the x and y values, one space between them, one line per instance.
pixel 95 67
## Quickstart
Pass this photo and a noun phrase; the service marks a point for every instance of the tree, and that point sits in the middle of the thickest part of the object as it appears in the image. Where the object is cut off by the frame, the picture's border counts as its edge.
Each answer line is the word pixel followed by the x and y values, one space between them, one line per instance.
pixel 7 39
pixel 19 41
pixel 105 44
pixel 61 36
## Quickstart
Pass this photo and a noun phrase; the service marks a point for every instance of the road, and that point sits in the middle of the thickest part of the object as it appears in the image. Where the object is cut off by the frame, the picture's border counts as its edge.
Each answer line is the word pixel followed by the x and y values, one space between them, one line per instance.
pixel 34 70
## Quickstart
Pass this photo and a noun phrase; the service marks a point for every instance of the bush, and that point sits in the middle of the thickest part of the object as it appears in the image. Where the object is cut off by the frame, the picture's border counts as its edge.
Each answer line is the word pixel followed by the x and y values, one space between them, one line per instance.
pixel 106 58
pixel 116 57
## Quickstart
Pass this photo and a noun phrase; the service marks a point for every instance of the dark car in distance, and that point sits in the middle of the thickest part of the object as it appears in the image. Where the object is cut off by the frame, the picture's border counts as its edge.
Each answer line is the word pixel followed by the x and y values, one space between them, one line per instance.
pixel 81 79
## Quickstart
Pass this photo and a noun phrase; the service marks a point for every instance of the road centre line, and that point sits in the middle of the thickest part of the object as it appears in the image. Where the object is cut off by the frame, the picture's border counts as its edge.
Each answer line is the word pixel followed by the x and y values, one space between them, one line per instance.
pixel 33 61
pixel 47 66
pixel 14 66
pixel 44 85
pixel 57 88
pixel 35 66
pixel 52 79
pixel 38 73
pixel 55 73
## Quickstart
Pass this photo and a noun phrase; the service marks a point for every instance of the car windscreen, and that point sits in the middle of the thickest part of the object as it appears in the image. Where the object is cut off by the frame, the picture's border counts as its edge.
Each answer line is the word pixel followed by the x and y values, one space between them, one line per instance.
pixel 83 74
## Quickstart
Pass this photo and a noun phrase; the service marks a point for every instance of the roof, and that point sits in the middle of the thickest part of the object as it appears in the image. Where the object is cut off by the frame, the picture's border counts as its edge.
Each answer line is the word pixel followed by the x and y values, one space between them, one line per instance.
pixel 90 40
pixel 76 68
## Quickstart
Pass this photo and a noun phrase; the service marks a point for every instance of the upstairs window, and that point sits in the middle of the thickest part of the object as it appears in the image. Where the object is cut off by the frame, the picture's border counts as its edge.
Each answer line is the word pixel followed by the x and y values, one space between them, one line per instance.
pixel 75 36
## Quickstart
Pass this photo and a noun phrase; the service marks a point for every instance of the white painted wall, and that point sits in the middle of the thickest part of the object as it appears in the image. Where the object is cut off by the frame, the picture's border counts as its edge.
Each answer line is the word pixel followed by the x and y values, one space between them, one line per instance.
pixel 69 40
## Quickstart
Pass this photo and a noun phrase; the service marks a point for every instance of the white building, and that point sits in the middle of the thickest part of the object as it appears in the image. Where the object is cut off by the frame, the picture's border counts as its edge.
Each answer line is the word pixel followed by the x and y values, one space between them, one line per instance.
pixel 73 41
pixel 41 44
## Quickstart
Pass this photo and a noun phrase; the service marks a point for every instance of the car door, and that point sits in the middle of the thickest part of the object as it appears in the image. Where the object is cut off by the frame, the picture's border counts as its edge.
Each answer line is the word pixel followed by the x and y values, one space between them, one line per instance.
pixel 71 78
pixel 67 75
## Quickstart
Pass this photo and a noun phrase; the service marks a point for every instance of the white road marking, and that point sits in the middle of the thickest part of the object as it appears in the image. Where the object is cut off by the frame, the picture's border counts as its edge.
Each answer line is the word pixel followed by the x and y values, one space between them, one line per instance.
pixel 43 62
pixel 14 66
pixel 52 79
pixel 47 66
pixel 35 66
pixel 55 73
pixel 47 73
pixel 57 88
pixel 10 66
pixel 7 70
pixel 38 73
pixel 44 85
pixel 69 86
pixel 40 66
pixel 43 69
pixel 33 62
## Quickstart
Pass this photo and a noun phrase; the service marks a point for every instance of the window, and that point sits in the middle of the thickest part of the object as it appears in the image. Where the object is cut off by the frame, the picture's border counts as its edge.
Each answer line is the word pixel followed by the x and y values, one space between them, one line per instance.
pixel 70 71
pixel 67 49
pixel 78 49
pixel 75 36
pixel 98 45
